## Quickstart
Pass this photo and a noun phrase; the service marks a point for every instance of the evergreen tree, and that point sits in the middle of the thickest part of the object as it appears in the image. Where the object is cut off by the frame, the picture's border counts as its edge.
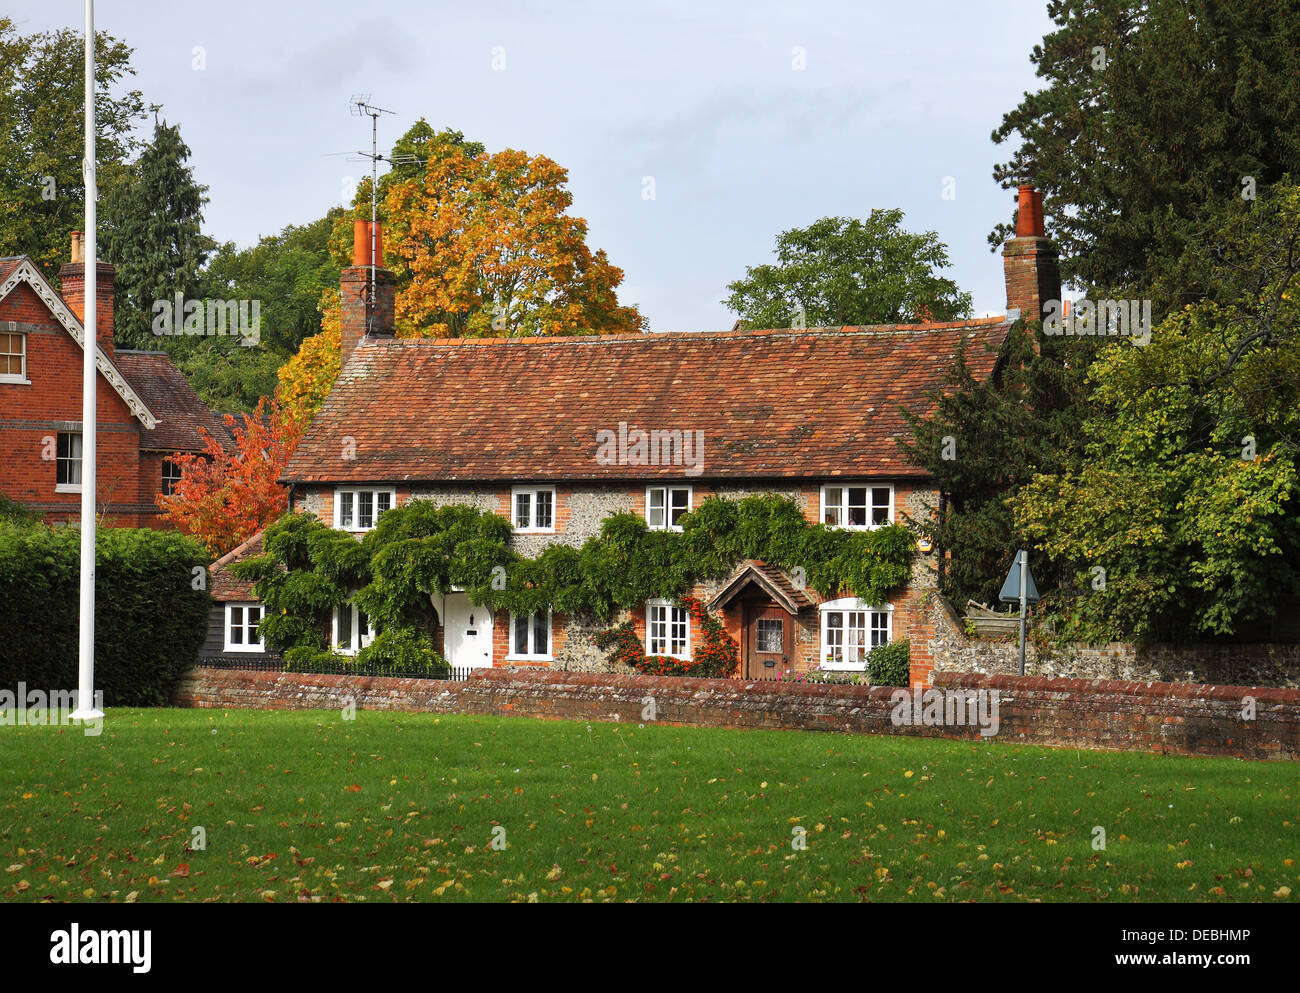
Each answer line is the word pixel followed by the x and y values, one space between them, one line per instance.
pixel 1155 115
pixel 42 99
pixel 152 233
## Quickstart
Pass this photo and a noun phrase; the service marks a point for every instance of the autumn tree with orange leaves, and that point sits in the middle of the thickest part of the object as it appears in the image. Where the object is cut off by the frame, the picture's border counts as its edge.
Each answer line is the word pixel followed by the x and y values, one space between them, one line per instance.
pixel 482 245
pixel 227 495
pixel 491 250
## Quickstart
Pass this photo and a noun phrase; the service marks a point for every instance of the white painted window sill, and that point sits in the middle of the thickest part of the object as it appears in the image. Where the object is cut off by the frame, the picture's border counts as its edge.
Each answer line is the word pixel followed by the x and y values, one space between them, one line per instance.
pixel 67 487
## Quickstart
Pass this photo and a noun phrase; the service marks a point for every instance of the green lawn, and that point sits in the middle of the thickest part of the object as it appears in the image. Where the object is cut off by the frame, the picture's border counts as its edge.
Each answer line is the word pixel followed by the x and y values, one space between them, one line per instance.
pixel 308 806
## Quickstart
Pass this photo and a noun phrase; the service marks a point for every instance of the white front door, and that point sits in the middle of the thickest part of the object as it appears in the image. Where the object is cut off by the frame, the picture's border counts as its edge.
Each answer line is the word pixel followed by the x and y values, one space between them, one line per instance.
pixel 468 633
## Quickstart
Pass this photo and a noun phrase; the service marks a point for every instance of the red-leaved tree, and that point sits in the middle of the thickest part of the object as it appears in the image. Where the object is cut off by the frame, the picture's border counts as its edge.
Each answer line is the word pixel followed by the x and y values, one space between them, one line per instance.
pixel 226 495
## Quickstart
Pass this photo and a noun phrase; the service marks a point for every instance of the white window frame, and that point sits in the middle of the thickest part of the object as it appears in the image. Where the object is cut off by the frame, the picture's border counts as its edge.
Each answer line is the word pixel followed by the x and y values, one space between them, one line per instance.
pixel 356 640
pixel 845 606
pixel 531 655
pixel 843 507
pixel 532 491
pixel 670 607
pixel 245 646
pixel 164 489
pixel 79 460
pixel 354 495
pixel 667 490
pixel 21 377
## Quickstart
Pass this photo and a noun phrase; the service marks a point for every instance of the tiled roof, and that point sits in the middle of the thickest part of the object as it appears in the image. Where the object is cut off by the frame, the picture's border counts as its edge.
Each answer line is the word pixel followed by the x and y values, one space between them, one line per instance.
pixel 224 587
pixel 813 403
pixel 169 395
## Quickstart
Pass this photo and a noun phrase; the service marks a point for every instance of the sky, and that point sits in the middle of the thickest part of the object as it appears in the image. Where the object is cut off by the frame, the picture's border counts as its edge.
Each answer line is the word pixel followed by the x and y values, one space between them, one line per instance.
pixel 693 132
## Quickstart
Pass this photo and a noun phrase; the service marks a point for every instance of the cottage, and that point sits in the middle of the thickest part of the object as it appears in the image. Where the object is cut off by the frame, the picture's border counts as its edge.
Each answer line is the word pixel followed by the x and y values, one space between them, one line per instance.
pixel 540 431
pixel 148 412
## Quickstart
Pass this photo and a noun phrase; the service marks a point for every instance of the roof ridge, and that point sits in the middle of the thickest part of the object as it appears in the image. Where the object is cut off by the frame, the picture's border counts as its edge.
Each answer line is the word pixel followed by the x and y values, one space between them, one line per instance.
pixel 726 333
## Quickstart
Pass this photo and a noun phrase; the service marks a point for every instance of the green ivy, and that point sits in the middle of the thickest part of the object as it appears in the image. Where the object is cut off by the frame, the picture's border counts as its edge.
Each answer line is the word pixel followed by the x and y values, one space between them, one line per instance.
pixel 422 548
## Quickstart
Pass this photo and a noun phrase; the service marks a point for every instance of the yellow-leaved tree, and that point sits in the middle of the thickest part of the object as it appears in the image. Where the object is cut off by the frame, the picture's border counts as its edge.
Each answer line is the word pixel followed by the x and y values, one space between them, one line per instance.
pixel 482 245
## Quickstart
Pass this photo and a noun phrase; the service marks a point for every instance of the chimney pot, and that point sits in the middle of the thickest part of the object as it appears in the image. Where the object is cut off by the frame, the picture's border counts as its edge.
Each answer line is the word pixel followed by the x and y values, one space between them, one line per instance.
pixel 361 255
pixel 1029 219
pixel 78 247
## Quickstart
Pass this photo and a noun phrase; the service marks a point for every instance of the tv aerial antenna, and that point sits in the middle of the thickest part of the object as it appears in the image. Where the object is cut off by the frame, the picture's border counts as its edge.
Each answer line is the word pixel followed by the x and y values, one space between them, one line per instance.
pixel 360 106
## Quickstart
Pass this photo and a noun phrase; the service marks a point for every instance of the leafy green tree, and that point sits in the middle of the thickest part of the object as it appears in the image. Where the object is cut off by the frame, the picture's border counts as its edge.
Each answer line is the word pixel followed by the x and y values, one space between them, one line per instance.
pixel 842 270
pixel 1186 501
pixel 152 232
pixel 287 272
pixel 42 97
pixel 982 442
pixel 1154 115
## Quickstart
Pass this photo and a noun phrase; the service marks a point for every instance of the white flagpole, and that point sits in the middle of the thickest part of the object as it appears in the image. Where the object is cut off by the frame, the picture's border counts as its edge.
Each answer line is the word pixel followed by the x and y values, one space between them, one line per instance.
pixel 86 710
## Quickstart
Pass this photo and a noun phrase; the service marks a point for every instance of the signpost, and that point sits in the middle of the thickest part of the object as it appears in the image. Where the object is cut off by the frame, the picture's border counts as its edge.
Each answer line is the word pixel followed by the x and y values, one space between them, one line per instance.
pixel 1019 586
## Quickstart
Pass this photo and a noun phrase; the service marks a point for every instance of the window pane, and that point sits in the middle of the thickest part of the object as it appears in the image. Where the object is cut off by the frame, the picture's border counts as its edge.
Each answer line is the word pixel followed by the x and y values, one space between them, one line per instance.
pixel 770 641
pixel 236 625
pixel 879 628
pixel 857 509
pixel 365 509
pixel 681 504
pixel 679 631
pixel 523 512
pixel 541 633
pixel 383 501
pixel 521 635
pixel 656 634
pixel 345 510
pixel 655 509
pixel 833 502
pixel 834 646
pixel 880 505
pixel 542 512
pixel 363 625
pixel 345 627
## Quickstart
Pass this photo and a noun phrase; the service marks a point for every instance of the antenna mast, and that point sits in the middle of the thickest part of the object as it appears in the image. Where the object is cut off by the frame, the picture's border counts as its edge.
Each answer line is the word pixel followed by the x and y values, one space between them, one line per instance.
pixel 362 107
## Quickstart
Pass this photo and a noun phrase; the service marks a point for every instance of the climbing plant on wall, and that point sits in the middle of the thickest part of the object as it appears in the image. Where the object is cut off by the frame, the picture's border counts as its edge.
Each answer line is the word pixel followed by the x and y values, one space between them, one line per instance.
pixel 421 549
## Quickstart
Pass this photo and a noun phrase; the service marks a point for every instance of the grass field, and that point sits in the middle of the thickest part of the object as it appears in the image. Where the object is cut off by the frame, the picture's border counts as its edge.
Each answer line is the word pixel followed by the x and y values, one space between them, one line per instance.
pixel 307 806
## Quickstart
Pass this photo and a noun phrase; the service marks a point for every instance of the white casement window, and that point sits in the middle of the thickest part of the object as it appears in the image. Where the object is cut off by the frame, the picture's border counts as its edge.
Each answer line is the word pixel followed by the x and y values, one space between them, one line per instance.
pixel 668 629
pixel 530 636
pixel 171 475
pixel 857 506
pixel 351 630
pixel 67 478
pixel 664 506
pixel 850 629
pixel 13 357
pixel 243 621
pixel 359 509
pixel 534 508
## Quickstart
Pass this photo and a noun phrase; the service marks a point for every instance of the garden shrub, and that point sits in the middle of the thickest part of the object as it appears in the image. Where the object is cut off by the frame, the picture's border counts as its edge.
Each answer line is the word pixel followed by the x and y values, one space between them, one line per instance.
pixel 891 664
pixel 151 610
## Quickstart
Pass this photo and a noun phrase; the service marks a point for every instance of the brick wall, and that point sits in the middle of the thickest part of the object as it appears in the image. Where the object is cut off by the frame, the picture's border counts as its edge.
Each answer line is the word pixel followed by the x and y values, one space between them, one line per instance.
pixel 1148 717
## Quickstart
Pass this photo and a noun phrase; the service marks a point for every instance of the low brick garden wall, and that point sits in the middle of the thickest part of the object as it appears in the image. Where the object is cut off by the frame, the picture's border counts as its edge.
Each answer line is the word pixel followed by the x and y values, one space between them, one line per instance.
pixel 1169 718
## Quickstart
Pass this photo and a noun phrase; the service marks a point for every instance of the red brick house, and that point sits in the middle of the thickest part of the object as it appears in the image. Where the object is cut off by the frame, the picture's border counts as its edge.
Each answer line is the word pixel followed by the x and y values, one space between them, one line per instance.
pixel 147 410
pixel 555 434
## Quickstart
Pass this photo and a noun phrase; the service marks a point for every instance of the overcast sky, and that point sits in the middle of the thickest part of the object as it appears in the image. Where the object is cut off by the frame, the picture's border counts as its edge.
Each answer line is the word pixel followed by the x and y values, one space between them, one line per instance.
pixel 704 96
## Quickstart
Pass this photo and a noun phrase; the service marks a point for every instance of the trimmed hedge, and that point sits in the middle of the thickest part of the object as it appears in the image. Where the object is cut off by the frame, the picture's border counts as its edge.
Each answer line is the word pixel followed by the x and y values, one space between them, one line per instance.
pixel 150 619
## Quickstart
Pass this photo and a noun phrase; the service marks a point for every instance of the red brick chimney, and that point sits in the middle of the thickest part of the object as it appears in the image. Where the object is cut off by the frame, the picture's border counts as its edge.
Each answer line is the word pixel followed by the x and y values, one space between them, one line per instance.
pixel 359 316
pixel 73 277
pixel 1030 260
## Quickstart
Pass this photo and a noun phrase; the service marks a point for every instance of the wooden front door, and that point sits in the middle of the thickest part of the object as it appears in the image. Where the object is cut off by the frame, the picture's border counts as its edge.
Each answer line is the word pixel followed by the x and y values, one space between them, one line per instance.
pixel 768 639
